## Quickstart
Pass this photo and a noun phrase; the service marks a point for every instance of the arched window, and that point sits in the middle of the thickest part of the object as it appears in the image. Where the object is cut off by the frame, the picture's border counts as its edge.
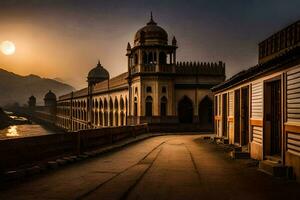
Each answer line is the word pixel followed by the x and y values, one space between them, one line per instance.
pixel 122 118
pixel 101 104
pixel 116 118
pixel 111 105
pixel 96 103
pixel 105 118
pixel 93 115
pixel 96 118
pixel 135 59
pixel 148 106
pixel 150 58
pixel 101 118
pixel 116 104
pixel 122 104
pixel 105 104
pixel 111 118
pixel 148 89
pixel 145 60
pixel 135 107
pixel 163 106
pixel 162 58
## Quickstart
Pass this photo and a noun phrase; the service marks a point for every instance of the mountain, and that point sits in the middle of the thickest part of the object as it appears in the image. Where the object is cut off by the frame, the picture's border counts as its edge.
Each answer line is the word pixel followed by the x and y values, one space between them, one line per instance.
pixel 17 88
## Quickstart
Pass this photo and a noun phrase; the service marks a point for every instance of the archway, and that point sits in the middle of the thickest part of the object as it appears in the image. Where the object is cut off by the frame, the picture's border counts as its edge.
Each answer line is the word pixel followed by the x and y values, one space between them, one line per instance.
pixel 148 106
pixel 205 112
pixel 185 110
pixel 163 106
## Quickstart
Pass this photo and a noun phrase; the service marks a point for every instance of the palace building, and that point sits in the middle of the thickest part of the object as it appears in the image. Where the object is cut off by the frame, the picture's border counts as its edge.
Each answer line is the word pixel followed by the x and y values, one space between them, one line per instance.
pixel 258 109
pixel 156 89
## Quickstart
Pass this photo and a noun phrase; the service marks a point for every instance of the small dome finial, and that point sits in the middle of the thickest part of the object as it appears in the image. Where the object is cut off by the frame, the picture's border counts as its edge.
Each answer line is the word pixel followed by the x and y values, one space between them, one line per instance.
pixel 128 46
pixel 151 22
pixel 98 64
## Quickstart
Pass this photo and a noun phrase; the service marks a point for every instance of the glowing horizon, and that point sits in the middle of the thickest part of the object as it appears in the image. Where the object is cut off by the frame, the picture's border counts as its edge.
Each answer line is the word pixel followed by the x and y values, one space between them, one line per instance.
pixel 66 40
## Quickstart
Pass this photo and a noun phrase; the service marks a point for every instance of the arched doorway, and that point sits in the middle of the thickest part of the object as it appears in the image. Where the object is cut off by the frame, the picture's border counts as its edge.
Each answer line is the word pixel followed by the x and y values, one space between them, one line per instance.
pixel 148 106
pixel 163 106
pixel 205 112
pixel 185 110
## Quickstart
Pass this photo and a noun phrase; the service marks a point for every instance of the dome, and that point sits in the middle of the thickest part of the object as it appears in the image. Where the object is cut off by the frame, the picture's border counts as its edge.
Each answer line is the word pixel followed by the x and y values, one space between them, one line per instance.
pixel 151 34
pixel 32 97
pixel 50 96
pixel 98 74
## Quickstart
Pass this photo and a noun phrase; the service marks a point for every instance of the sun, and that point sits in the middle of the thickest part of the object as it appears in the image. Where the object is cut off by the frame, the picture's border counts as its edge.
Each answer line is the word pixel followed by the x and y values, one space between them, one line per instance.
pixel 8 47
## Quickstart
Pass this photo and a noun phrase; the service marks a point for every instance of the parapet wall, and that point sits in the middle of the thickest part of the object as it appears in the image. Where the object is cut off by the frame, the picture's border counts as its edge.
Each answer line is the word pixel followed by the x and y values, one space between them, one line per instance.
pixel 200 68
pixel 19 152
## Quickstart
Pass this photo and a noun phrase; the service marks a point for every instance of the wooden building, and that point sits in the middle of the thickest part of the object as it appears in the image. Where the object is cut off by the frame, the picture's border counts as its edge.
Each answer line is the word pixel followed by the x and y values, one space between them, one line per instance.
pixel 259 109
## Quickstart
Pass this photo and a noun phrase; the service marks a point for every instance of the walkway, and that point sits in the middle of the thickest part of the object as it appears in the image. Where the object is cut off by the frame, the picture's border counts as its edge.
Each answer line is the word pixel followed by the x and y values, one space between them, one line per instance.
pixel 164 167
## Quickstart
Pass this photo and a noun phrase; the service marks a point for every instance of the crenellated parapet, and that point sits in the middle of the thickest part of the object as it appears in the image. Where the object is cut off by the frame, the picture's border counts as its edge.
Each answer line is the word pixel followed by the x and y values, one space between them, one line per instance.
pixel 205 68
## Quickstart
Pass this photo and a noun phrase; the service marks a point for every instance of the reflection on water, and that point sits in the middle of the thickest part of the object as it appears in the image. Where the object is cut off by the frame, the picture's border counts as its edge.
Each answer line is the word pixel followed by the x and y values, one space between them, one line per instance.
pixel 12 131
pixel 25 130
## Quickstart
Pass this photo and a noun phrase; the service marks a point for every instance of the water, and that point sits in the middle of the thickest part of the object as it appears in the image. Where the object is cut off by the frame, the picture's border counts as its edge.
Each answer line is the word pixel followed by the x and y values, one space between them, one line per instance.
pixel 25 130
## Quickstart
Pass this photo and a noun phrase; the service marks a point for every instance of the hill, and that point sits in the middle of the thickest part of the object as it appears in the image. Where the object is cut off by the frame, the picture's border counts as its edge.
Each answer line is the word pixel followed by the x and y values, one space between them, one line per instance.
pixel 17 88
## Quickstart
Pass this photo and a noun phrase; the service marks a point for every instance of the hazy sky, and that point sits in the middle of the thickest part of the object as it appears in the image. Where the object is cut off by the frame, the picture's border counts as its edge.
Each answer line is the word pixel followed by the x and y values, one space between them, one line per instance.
pixel 66 38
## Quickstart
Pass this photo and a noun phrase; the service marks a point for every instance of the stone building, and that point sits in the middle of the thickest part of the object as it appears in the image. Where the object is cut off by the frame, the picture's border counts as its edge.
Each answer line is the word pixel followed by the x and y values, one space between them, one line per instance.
pixel 259 109
pixel 156 88
pixel 32 102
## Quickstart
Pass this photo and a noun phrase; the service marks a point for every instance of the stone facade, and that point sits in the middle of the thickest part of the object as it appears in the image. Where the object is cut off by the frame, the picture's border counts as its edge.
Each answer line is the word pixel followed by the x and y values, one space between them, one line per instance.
pixel 156 89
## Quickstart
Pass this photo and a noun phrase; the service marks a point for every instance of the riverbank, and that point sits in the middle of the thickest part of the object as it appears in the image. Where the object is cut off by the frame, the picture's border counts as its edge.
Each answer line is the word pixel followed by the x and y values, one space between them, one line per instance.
pixel 15 125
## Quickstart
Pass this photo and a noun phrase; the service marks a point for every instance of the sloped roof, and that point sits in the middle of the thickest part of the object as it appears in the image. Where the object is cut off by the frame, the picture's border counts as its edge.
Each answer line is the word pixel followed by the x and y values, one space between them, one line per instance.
pixel 278 62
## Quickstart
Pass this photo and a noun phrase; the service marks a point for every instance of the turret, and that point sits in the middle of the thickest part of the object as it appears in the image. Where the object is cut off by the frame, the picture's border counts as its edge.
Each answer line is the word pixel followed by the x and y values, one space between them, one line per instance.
pixel 174 41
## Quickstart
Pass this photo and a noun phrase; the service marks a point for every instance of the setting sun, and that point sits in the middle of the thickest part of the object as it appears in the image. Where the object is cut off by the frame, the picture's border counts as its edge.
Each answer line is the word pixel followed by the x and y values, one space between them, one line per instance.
pixel 8 48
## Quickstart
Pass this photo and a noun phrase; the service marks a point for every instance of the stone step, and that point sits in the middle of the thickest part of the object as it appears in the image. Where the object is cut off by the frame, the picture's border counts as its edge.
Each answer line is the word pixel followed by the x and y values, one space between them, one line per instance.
pixel 274 168
pixel 273 159
pixel 239 155
pixel 225 141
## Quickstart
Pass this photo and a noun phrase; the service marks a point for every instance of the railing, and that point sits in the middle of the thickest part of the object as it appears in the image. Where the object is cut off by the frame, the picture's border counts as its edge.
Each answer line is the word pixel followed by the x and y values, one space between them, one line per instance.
pixel 148 68
pixel 166 68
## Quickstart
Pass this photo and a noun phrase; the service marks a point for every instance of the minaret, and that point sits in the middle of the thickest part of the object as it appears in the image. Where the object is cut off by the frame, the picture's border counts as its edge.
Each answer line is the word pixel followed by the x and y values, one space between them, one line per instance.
pixel 128 54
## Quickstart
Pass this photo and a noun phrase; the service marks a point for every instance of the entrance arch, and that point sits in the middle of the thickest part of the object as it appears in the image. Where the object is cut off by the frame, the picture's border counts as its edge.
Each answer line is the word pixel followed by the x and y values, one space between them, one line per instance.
pixel 205 111
pixel 185 110
pixel 148 112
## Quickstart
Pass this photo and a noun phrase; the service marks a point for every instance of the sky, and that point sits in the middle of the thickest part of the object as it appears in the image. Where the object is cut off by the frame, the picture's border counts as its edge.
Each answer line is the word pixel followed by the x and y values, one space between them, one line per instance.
pixel 65 39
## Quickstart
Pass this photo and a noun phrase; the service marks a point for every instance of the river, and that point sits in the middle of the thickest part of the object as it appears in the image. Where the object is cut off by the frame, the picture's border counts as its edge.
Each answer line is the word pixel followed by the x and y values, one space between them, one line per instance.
pixel 23 130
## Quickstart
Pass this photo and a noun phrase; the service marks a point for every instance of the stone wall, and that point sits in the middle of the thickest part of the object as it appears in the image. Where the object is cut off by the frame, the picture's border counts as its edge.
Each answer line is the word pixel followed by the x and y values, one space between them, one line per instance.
pixel 15 153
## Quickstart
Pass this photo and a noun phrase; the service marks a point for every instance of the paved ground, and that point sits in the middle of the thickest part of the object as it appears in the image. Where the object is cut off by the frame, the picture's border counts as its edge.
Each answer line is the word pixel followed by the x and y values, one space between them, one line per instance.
pixel 164 167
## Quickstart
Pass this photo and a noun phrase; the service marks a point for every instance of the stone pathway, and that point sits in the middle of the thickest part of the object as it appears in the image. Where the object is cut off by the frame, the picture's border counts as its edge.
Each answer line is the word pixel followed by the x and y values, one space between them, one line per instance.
pixel 163 167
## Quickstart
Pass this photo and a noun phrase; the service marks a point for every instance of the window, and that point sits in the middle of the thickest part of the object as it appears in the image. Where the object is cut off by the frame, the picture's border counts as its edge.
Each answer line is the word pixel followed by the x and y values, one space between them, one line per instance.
pixel 135 111
pixel 163 89
pixel 149 89
pixel 162 58
pixel 145 60
pixel 135 59
pixel 150 58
